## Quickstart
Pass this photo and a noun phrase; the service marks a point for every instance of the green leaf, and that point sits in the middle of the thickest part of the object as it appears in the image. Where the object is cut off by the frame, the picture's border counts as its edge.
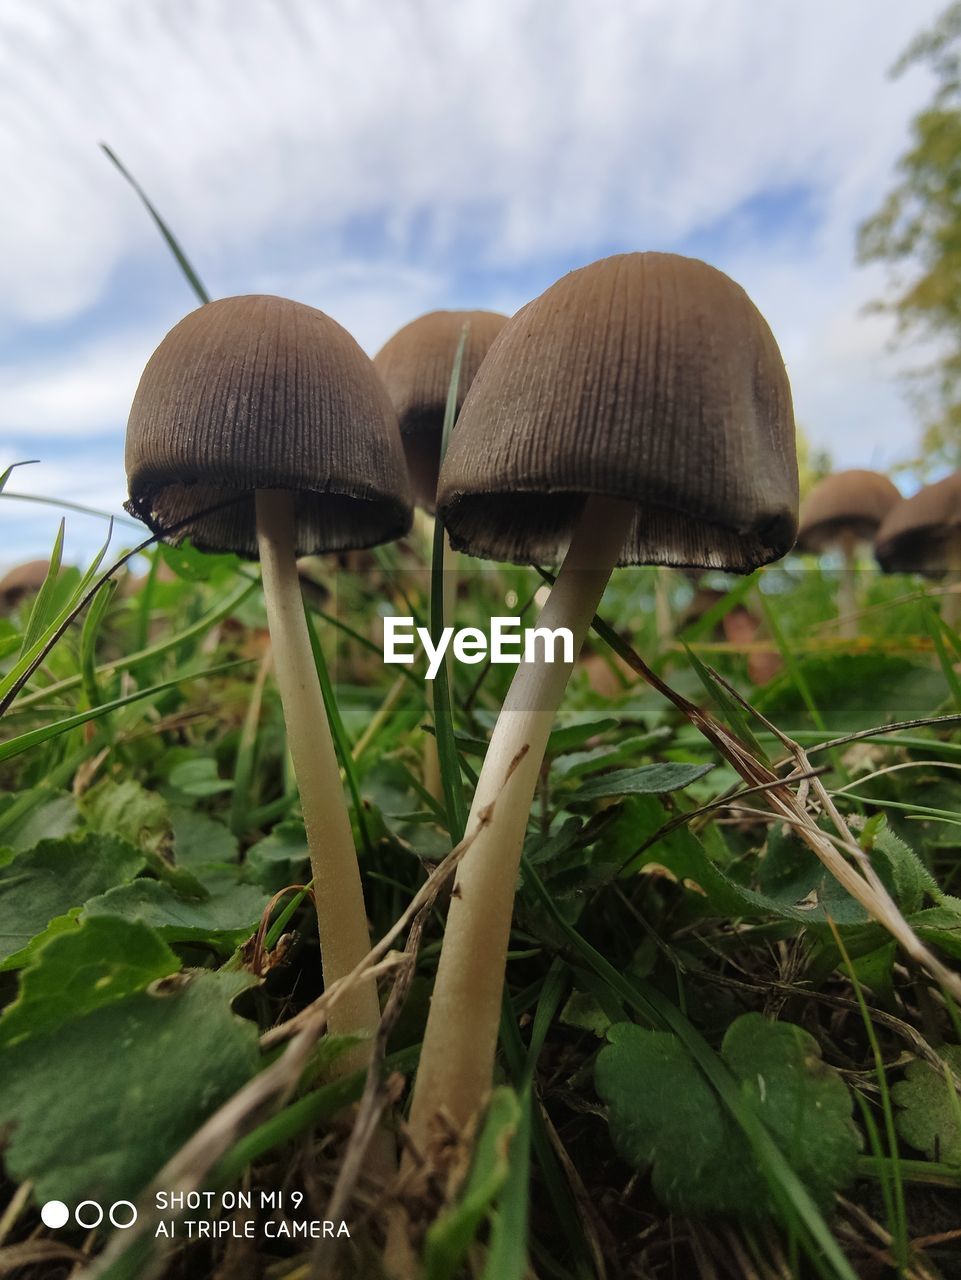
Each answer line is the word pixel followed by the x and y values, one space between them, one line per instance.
pixel 649 779
pixel 912 880
pixel 225 918
pixel 279 859
pixel 930 1109
pixel 664 1116
pixel 53 878
pixel 128 810
pixel 450 1236
pixel 803 1101
pixel 197 566
pixel 103 960
pixel 940 925
pixel 606 755
pixel 569 737
pixel 97 1106
pixel 39 814
pixel 201 841
pixel 199 777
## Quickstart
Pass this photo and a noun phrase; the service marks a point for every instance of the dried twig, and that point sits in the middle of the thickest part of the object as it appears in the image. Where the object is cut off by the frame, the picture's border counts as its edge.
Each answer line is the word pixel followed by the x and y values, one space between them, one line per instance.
pixel 375 1096
pixel 858 876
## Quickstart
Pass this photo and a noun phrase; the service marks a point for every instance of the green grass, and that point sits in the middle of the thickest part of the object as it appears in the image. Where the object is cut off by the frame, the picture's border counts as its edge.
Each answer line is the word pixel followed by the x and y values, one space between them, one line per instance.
pixel 143 720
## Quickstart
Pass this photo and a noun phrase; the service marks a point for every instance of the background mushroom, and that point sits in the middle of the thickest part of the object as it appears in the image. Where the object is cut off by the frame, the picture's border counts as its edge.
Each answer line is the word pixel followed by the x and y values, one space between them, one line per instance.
pixel 415 365
pixel 638 412
pixel 21 581
pixel 922 534
pixel 841 511
pixel 260 427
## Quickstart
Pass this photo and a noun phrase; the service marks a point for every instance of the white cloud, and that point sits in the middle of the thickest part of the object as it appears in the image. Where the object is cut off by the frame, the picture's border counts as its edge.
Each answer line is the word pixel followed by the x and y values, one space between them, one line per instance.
pixel 489 136
pixel 531 127
pixel 85 392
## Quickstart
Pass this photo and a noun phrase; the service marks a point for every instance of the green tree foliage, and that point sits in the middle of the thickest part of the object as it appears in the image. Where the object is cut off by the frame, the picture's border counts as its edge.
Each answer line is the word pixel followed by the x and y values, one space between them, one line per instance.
pixel 917 231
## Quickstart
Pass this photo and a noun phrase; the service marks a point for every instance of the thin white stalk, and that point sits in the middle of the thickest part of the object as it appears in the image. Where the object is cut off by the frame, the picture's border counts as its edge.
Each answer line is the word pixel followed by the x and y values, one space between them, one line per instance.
pixel 457 1060
pixel 848 587
pixel 341 915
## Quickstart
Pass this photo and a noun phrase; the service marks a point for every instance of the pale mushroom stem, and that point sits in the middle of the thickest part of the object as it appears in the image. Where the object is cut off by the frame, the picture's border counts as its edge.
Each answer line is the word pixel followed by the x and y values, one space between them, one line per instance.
pixel 457 1060
pixel 338 893
pixel 848 587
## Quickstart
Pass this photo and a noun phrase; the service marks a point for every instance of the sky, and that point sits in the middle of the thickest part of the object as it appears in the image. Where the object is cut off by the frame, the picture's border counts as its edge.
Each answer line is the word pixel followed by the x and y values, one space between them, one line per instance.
pixel 379 160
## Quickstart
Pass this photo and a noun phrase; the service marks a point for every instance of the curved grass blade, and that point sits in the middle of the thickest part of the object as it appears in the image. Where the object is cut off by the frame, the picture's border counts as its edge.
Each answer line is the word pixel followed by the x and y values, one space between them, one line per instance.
pixel 28 661
pixel 134 660
pixel 5 475
pixel 182 260
pixel 24 741
pixel 43 603
pixel 64 505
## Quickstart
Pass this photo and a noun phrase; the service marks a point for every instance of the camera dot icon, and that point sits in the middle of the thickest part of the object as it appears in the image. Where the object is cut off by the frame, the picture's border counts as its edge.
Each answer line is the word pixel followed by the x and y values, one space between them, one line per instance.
pixel 54 1214
pixel 89 1214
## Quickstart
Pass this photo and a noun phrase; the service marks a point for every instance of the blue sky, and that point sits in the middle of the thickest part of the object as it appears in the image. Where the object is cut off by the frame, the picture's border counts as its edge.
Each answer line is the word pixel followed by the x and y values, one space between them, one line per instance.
pixel 379 160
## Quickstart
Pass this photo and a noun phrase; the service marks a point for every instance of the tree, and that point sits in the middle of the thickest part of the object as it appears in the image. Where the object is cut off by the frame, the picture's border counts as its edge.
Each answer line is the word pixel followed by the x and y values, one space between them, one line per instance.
pixel 917 231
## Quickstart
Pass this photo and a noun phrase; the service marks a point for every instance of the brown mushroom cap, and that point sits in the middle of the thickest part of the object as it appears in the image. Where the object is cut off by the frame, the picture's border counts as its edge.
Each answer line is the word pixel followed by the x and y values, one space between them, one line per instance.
pixel 22 580
pixel 920 534
pixel 415 365
pixel 647 377
pixel 262 393
pixel 847 502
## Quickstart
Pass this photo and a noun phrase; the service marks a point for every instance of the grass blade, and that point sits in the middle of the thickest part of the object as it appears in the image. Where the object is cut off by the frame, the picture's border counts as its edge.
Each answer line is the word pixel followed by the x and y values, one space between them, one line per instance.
pixel 28 661
pixel 450 772
pixel 134 660
pixel 183 262
pixel 338 732
pixel 5 476
pixel 43 604
pixel 24 741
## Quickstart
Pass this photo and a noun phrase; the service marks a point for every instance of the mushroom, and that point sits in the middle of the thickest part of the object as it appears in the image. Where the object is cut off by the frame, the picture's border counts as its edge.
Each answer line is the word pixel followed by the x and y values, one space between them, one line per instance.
pixel 260 427
pixel 922 534
pixel 637 412
pixel 841 511
pixel 21 581
pixel 415 366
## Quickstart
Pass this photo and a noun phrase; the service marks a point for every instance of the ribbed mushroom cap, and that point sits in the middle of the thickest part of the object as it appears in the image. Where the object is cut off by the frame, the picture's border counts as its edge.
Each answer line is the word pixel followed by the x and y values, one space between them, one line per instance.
pixel 648 377
pixel 22 580
pixel 416 365
pixel 262 393
pixel 920 534
pixel 847 502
